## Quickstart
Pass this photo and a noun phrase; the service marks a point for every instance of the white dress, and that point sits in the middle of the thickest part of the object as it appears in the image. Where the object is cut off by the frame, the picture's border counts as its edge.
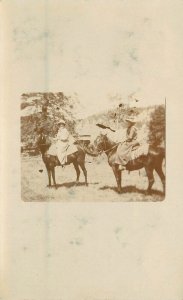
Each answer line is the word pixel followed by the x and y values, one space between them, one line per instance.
pixel 63 145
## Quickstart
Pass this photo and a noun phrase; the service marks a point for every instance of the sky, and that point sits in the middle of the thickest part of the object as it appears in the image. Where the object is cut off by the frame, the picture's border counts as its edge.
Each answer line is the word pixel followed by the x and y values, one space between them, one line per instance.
pixel 96 49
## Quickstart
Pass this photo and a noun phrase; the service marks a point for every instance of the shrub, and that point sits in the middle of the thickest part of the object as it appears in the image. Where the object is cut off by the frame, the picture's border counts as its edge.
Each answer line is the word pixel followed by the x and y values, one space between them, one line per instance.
pixel 157 126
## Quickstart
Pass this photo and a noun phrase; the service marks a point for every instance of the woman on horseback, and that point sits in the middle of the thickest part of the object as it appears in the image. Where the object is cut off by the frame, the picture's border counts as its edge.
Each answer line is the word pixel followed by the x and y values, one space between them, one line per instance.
pixel 124 149
pixel 64 144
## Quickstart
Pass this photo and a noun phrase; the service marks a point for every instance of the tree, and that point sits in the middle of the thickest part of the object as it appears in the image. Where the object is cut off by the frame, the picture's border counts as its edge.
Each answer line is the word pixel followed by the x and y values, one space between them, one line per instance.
pixel 157 126
pixel 51 107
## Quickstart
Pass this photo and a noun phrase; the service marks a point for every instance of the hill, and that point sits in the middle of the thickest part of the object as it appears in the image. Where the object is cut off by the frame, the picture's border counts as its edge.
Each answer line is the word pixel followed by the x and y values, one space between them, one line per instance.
pixel 46 109
pixel 149 129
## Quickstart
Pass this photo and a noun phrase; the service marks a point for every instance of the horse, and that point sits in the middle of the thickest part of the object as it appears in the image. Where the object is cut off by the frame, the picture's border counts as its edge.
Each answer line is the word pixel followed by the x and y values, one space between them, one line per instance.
pixel 152 161
pixel 77 159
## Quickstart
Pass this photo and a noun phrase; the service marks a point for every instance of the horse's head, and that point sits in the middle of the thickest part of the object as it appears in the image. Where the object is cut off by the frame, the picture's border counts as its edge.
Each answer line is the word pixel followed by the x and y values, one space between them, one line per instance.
pixel 101 142
pixel 43 142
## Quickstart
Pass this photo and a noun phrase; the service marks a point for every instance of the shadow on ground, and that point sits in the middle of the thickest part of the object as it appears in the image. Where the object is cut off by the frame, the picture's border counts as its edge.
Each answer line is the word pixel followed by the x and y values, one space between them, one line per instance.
pixel 133 189
pixel 73 184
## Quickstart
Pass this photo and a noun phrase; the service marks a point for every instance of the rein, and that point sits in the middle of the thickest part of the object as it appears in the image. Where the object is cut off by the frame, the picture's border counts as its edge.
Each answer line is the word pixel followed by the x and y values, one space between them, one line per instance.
pixel 105 151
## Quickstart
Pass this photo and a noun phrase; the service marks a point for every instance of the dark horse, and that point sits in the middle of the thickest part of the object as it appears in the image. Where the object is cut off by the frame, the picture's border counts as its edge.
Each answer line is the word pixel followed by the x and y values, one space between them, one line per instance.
pixel 152 161
pixel 77 159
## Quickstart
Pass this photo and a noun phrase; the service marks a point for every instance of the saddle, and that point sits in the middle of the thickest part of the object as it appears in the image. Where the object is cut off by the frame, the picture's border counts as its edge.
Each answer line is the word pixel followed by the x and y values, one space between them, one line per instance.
pixel 139 150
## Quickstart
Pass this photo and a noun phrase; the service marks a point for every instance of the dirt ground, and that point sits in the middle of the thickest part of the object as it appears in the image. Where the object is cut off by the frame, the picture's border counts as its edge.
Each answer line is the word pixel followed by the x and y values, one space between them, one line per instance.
pixel 101 188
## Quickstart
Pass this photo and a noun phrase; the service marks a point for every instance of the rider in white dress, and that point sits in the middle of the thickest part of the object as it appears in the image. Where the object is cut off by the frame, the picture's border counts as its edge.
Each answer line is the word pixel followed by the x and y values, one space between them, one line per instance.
pixel 64 144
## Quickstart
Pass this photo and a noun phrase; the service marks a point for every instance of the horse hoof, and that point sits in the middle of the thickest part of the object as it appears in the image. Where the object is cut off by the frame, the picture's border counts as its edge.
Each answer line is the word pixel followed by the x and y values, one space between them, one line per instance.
pixel 119 191
pixel 49 186
pixel 86 184
pixel 76 183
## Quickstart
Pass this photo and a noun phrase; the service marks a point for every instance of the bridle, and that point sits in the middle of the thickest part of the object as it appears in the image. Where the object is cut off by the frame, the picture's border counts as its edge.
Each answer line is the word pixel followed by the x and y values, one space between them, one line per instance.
pixel 105 145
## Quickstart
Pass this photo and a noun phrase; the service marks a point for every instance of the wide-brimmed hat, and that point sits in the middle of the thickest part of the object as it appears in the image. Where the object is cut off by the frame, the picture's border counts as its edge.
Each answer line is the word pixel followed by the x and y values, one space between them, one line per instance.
pixel 131 120
pixel 61 122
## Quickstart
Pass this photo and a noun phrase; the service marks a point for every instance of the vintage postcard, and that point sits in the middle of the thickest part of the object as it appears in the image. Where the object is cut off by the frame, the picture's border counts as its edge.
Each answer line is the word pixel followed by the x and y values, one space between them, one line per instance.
pixel 91 150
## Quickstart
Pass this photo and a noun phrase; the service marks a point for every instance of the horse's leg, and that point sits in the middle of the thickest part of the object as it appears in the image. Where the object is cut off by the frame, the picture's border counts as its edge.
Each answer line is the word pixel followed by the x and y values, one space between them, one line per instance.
pixel 119 179
pixel 117 175
pixel 161 175
pixel 53 176
pixel 82 165
pixel 149 172
pixel 75 163
pixel 49 176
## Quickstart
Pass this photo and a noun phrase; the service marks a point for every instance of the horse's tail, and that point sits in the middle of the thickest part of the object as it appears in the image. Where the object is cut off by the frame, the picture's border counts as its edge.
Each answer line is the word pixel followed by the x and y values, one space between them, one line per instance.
pixel 162 152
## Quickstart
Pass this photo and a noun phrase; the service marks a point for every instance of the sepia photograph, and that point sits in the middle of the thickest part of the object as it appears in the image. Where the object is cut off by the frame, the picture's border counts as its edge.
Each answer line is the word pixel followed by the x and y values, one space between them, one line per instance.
pixel 71 154
pixel 91 150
